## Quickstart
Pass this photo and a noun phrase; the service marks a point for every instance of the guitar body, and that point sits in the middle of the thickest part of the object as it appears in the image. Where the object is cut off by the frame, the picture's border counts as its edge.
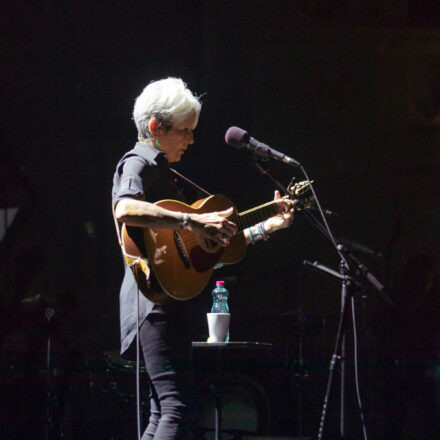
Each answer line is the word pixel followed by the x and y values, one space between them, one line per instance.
pixel 183 261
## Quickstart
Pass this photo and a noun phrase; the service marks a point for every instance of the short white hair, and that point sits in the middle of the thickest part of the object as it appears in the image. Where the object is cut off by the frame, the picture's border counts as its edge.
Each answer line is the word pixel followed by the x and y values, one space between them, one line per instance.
pixel 169 101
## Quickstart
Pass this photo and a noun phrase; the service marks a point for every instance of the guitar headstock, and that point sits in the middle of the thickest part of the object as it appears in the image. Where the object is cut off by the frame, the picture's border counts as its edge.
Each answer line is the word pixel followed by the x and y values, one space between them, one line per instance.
pixel 302 192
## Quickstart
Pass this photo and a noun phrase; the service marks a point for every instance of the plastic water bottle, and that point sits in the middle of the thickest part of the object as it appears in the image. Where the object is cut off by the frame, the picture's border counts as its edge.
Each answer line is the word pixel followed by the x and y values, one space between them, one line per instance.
pixel 220 300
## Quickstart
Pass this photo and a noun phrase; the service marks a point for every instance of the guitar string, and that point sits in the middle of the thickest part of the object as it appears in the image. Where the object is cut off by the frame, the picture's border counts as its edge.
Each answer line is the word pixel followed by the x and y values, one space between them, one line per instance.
pixel 244 221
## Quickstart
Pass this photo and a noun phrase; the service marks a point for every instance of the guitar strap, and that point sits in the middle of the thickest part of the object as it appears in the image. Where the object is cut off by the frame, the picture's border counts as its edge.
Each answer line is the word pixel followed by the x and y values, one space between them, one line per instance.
pixel 190 182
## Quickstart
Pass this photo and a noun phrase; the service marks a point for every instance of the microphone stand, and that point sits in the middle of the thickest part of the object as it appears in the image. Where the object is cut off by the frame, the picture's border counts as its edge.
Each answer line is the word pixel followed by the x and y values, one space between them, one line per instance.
pixel 347 262
pixel 347 292
pixel 350 287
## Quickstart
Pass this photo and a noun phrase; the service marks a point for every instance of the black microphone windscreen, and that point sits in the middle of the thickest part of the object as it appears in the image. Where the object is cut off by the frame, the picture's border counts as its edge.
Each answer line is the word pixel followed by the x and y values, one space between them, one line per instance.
pixel 236 137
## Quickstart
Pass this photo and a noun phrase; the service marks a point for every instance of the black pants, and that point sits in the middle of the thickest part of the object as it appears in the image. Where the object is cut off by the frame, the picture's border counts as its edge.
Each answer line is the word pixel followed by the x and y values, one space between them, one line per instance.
pixel 166 344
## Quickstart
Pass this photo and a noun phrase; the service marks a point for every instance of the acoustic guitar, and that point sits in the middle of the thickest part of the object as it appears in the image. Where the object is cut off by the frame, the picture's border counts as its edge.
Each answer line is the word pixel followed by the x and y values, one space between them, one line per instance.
pixel 182 260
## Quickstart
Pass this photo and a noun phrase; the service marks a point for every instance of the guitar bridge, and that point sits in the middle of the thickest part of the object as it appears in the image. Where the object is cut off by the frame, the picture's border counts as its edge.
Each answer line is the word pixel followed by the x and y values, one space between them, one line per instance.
pixel 181 249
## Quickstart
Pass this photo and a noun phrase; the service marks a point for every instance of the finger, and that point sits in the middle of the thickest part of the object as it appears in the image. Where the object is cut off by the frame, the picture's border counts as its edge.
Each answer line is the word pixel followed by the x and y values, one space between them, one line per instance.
pixel 221 239
pixel 277 195
pixel 229 227
pixel 222 225
pixel 226 212
pixel 287 205
pixel 227 233
pixel 289 218
pixel 216 236
pixel 225 238
pixel 283 207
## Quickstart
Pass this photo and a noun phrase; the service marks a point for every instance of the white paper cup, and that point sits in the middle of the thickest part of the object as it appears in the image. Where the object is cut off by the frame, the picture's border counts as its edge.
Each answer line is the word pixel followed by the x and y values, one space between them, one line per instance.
pixel 218 325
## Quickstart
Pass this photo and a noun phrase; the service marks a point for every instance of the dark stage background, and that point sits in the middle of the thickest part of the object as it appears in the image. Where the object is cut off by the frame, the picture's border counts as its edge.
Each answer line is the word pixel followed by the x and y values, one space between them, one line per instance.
pixel 350 90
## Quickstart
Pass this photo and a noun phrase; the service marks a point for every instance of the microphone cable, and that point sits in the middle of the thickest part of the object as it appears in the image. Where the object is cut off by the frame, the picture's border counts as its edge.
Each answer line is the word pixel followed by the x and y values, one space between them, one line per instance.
pixel 138 391
pixel 356 370
pixel 133 268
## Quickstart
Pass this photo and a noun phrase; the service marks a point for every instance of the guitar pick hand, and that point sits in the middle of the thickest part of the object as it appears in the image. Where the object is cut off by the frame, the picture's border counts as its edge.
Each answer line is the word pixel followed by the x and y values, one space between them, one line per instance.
pixel 214 225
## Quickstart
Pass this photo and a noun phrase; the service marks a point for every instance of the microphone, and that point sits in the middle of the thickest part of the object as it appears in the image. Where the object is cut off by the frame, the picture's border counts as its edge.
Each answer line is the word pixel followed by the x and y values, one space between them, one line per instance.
pixel 239 138
pixel 360 247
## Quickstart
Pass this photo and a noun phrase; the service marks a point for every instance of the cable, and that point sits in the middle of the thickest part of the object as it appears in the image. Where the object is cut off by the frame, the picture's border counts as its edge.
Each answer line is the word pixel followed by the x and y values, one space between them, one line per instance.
pixel 138 410
pixel 316 223
pixel 356 372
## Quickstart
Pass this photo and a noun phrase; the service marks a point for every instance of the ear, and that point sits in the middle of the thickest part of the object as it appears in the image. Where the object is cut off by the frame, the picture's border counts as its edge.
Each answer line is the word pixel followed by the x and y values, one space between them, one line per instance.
pixel 155 127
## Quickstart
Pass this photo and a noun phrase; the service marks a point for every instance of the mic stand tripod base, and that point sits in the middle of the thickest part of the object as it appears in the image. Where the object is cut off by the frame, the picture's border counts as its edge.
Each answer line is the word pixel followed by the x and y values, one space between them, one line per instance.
pixel 338 355
pixel 339 350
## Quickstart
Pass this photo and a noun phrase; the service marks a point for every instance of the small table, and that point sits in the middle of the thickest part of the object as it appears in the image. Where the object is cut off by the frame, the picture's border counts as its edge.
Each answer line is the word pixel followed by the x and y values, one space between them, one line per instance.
pixel 220 348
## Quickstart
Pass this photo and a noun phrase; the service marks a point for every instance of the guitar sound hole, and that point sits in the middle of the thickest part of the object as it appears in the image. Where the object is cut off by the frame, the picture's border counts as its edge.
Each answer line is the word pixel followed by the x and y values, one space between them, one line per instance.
pixel 202 260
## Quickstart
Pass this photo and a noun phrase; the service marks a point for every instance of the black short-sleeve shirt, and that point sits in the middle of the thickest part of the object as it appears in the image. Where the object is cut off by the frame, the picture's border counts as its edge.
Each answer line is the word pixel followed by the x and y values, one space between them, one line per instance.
pixel 143 173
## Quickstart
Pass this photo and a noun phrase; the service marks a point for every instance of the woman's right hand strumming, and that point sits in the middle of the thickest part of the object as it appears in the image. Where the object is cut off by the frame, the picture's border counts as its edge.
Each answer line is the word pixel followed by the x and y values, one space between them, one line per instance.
pixel 214 225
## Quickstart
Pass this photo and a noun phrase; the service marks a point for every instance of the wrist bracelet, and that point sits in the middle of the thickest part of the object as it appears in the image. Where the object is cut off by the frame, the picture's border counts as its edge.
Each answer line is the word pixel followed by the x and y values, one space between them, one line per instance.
pixel 251 237
pixel 262 231
pixel 184 221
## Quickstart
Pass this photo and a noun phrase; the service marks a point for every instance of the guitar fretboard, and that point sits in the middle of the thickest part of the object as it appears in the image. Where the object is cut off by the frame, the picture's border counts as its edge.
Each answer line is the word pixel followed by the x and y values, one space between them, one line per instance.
pixel 256 215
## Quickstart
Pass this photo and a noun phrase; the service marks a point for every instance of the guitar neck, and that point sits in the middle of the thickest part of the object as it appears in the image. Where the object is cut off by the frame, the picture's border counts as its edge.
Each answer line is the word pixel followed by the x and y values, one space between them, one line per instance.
pixel 255 215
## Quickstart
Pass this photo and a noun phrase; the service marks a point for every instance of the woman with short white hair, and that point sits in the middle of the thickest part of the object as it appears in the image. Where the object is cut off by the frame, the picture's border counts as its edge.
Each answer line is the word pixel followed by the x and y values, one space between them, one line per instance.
pixel 166 114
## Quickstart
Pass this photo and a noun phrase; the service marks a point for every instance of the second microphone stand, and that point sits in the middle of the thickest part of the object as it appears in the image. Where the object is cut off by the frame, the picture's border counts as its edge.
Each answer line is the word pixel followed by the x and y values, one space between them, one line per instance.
pixel 348 291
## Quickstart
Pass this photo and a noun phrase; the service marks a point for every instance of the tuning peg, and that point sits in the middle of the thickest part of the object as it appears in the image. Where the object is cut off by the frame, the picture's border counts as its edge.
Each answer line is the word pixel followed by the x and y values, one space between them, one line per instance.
pixel 291 186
